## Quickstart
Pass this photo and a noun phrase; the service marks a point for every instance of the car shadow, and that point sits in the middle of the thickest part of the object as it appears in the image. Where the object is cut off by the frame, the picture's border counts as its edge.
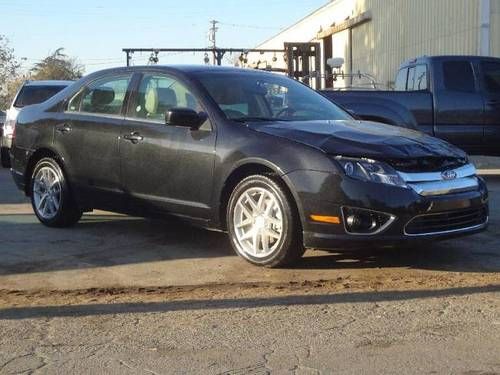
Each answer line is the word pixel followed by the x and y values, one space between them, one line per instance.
pixel 108 240
pixel 451 256
pixel 27 246
pixel 102 240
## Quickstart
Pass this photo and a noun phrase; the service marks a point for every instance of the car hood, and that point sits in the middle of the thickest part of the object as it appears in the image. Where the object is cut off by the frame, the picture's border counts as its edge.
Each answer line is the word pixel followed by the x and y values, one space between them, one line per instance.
pixel 360 139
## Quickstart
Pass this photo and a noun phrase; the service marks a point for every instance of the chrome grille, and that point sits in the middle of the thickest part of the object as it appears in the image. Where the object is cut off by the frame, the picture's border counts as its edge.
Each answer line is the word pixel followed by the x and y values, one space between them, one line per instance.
pixel 437 183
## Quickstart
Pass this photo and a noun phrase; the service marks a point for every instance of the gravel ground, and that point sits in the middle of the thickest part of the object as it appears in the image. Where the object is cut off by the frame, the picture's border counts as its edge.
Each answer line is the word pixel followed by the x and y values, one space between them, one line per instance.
pixel 450 331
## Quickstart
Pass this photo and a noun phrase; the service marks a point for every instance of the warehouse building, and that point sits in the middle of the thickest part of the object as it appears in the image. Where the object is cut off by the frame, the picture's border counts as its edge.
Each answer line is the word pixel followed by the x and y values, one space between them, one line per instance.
pixel 375 36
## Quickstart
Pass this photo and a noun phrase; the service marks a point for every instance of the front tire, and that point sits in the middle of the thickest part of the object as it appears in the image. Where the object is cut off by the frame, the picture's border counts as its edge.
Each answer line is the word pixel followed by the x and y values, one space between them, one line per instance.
pixel 51 196
pixel 263 223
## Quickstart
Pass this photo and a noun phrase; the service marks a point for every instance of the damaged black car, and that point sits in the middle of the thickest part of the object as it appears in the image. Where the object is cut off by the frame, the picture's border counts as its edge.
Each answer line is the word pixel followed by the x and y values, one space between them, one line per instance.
pixel 261 156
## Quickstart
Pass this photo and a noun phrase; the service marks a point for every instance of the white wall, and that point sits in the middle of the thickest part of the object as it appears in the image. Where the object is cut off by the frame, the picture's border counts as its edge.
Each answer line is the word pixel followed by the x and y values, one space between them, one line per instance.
pixel 400 30
pixel 306 30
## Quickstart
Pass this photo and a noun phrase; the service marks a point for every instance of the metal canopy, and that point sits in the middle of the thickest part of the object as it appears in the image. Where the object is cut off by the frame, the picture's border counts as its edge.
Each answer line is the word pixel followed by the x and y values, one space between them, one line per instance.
pixel 218 53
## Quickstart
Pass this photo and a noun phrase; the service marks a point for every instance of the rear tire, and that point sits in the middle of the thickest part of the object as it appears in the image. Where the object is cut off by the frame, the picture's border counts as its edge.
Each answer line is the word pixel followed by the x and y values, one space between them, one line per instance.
pixel 51 197
pixel 5 157
pixel 263 223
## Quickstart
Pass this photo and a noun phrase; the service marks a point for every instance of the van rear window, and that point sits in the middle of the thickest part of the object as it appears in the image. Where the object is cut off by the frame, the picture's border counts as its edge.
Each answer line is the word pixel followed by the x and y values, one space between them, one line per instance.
pixel 36 94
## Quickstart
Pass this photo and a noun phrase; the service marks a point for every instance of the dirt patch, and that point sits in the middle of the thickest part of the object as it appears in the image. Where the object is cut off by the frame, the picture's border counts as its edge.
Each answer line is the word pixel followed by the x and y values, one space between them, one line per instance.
pixel 13 298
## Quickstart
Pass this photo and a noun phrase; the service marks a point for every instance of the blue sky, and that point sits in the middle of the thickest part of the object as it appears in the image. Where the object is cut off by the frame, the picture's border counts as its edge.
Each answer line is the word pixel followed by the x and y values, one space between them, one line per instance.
pixel 95 31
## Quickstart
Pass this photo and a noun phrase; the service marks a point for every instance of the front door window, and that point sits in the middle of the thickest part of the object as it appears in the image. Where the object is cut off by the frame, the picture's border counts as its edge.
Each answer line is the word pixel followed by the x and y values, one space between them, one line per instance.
pixel 159 93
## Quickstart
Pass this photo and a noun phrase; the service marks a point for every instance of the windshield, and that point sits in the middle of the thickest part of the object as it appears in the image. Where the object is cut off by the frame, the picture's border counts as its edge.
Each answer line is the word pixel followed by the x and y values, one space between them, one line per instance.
pixel 267 97
pixel 36 94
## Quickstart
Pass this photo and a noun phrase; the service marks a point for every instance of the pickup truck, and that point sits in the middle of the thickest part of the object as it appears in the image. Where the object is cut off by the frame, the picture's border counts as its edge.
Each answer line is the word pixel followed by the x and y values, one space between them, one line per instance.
pixel 456 98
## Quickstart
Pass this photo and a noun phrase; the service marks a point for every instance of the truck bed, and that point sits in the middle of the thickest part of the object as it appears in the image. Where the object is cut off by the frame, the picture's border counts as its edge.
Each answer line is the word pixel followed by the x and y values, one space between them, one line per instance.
pixel 413 110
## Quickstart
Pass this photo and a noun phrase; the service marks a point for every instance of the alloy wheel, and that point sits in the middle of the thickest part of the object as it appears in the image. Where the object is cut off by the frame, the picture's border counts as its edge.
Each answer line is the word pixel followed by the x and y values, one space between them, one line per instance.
pixel 47 192
pixel 258 222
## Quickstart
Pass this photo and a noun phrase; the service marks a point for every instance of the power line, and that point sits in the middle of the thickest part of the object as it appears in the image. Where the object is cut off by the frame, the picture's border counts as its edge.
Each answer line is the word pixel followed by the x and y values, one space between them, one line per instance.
pixel 251 26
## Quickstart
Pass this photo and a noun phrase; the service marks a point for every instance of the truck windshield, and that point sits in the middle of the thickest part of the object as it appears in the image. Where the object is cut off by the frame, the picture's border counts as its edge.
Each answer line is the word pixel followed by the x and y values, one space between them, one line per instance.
pixel 266 97
pixel 36 94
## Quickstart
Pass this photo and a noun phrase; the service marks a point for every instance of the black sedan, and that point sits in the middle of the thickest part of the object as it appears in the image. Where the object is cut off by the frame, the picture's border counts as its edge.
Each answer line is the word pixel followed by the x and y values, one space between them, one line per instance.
pixel 261 156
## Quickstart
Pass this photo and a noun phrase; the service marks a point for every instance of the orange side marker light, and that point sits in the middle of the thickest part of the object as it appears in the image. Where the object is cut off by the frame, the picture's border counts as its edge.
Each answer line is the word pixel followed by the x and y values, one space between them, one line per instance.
pixel 326 219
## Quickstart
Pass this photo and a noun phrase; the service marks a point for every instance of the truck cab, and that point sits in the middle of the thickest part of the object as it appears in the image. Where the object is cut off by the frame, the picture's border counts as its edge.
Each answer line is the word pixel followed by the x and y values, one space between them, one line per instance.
pixel 456 98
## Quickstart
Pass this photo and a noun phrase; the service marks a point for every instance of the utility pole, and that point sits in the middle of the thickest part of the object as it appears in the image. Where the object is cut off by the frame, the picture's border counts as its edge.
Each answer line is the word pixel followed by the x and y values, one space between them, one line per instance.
pixel 212 38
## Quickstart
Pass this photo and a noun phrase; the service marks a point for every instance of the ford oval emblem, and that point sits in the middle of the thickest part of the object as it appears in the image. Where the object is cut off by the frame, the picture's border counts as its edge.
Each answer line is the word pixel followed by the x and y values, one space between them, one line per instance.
pixel 449 175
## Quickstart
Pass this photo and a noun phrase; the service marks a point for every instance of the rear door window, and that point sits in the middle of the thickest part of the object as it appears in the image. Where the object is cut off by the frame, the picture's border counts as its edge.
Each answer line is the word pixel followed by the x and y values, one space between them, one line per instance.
pixel 105 96
pixel 491 74
pixel 458 76
pixel 30 95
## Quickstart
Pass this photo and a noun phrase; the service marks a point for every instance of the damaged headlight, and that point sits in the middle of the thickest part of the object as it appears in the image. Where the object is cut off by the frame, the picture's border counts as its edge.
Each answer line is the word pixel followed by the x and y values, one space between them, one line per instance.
pixel 370 170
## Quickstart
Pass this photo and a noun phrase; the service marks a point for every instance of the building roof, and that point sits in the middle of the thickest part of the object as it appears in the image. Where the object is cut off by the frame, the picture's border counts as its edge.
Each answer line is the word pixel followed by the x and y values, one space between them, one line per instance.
pixel 330 2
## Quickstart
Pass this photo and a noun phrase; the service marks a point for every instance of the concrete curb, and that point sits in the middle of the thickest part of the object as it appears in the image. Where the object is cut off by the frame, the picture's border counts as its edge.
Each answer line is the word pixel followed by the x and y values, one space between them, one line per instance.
pixel 488 172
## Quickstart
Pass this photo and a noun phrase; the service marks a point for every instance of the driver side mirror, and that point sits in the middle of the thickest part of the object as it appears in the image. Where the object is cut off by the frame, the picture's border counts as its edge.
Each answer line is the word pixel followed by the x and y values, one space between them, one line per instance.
pixel 185 117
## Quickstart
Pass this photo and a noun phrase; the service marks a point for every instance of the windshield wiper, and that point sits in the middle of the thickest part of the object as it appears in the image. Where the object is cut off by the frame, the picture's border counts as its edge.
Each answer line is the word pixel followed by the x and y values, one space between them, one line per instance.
pixel 263 119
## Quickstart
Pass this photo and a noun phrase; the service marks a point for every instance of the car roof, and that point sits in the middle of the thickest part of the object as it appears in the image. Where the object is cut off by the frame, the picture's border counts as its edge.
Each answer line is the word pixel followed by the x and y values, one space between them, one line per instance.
pixel 210 68
pixel 181 69
pixel 48 83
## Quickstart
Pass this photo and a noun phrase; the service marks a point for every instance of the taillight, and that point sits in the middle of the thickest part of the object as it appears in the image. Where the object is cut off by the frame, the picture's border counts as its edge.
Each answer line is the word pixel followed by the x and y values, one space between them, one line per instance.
pixel 9 128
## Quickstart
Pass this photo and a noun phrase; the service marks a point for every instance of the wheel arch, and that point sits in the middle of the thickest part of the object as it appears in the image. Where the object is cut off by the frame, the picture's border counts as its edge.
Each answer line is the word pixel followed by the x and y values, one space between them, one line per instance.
pixel 249 168
pixel 35 157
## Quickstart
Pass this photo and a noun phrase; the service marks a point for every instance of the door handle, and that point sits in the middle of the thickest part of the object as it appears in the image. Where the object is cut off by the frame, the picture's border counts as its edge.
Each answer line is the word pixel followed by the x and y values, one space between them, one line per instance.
pixel 65 128
pixel 133 137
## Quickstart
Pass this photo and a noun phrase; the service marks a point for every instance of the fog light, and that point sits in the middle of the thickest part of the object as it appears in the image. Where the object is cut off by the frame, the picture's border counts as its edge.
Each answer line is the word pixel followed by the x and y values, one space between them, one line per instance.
pixel 365 222
pixel 359 222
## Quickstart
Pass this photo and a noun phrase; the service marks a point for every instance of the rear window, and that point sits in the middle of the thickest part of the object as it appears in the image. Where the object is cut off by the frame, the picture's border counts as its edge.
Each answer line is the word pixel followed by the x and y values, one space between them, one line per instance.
pixel 491 73
pixel 400 84
pixel 417 78
pixel 36 94
pixel 458 76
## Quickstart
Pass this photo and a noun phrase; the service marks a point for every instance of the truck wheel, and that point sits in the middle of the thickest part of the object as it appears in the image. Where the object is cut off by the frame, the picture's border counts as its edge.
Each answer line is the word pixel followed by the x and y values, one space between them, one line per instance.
pixel 263 224
pixel 51 197
pixel 5 158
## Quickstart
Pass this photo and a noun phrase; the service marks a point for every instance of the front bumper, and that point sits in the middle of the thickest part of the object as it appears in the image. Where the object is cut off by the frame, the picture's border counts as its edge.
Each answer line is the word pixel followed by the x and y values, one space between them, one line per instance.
pixel 319 193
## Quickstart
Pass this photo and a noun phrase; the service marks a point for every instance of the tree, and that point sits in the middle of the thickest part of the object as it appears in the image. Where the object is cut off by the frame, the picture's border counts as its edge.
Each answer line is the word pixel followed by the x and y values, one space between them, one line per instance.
pixel 9 73
pixel 57 66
